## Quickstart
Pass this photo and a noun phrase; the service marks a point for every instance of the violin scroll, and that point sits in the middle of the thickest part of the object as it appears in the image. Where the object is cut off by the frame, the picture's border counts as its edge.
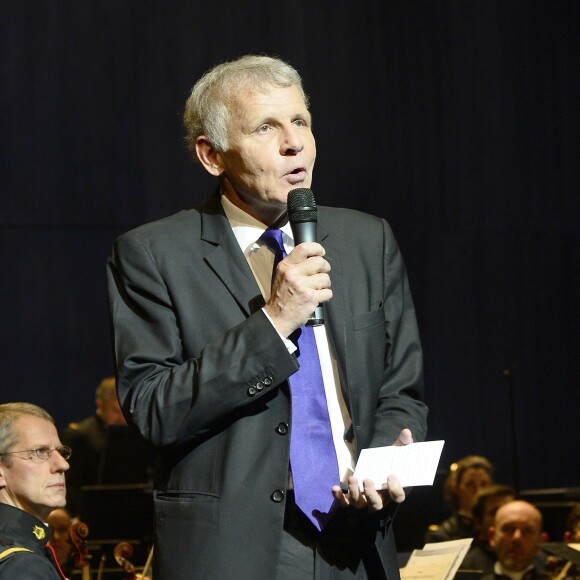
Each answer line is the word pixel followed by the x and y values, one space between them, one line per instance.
pixel 77 534
pixel 122 552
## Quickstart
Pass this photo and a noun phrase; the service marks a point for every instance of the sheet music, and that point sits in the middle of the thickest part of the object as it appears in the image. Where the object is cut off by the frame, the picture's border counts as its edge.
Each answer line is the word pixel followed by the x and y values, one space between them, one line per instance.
pixel 414 464
pixel 438 561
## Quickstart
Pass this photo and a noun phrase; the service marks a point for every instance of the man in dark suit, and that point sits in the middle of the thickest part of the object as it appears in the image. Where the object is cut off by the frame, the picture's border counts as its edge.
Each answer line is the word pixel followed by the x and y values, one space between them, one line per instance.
pixel 206 348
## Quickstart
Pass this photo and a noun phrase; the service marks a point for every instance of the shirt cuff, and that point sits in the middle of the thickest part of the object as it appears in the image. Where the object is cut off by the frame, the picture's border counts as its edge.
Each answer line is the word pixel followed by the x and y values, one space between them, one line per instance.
pixel 291 347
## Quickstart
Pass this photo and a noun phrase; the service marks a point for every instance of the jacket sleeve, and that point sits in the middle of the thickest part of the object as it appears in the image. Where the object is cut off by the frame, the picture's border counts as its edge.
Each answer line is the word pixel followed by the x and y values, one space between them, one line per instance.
pixel 400 401
pixel 169 394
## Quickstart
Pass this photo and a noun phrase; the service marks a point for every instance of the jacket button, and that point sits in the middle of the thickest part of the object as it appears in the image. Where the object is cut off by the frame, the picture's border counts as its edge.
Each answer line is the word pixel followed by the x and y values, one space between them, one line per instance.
pixel 267 381
pixel 259 386
pixel 277 496
pixel 252 391
pixel 282 428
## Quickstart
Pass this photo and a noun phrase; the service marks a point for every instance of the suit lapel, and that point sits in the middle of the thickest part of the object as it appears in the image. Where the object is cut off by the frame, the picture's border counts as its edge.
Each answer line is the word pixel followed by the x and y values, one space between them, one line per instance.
pixel 336 308
pixel 226 259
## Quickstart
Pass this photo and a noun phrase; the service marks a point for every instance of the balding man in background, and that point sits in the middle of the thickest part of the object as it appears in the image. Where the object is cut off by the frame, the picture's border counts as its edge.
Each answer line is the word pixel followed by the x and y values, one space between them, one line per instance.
pixel 514 537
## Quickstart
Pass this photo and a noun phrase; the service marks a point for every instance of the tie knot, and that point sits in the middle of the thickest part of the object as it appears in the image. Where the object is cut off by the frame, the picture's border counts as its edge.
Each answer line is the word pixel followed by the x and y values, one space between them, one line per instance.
pixel 272 237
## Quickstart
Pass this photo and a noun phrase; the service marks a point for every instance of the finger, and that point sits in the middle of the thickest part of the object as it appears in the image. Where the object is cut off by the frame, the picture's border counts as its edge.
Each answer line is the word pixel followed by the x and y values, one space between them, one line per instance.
pixel 396 491
pixel 374 498
pixel 319 281
pixel 357 499
pixel 340 496
pixel 304 251
pixel 405 437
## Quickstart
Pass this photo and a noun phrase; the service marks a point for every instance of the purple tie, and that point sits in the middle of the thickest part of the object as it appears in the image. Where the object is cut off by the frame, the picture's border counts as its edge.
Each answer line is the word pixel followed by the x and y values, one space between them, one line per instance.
pixel 312 454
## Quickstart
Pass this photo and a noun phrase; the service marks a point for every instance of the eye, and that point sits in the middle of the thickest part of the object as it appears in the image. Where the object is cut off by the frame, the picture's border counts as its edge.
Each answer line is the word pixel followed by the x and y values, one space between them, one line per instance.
pixel 43 452
pixel 300 123
pixel 263 128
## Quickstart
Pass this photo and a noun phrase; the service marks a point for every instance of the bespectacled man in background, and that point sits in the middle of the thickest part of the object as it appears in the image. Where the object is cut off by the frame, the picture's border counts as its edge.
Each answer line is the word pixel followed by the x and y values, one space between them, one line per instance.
pixel 32 484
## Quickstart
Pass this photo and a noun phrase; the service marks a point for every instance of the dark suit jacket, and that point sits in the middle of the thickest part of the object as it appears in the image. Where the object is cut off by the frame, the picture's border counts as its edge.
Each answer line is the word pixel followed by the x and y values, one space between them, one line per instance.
pixel 203 375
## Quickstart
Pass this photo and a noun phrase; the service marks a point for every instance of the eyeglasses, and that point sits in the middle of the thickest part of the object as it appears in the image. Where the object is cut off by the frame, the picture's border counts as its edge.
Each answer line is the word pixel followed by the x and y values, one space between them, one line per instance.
pixel 43 454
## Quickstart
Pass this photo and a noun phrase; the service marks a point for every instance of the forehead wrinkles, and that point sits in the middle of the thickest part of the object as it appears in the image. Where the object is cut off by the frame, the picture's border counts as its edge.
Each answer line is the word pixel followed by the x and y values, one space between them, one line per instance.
pixel 254 105
pixel 35 432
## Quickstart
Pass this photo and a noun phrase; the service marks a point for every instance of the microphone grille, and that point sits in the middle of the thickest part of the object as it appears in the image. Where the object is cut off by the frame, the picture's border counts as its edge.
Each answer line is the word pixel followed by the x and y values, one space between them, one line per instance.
pixel 301 206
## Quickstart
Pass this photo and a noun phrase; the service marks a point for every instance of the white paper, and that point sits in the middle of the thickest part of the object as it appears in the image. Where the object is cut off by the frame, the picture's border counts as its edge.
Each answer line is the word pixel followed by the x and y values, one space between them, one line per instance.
pixel 414 464
pixel 438 561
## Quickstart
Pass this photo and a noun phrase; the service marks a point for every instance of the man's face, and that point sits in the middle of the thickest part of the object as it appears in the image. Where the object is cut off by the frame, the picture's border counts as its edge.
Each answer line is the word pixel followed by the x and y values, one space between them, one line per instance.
pixel 271 151
pixel 110 411
pixel 59 522
pixel 490 507
pixel 515 535
pixel 37 488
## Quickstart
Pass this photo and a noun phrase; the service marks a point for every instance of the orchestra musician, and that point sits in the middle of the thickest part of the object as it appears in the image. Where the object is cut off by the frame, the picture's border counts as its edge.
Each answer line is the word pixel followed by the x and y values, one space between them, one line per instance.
pixel 32 467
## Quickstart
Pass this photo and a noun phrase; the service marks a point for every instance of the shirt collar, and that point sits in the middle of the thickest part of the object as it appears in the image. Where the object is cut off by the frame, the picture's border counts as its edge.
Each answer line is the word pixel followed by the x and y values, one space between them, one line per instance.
pixel 248 229
pixel 501 571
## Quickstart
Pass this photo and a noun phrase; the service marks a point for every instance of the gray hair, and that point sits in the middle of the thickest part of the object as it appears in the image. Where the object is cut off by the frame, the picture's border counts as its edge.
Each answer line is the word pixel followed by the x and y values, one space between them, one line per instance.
pixel 207 110
pixel 10 412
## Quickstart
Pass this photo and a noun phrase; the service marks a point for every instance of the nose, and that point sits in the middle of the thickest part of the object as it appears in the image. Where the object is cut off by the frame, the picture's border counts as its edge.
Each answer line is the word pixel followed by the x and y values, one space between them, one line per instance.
pixel 60 463
pixel 292 142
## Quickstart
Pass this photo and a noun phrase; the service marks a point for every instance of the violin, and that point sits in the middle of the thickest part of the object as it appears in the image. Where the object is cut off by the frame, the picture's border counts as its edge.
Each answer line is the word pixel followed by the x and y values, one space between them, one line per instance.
pixel 122 552
pixel 77 533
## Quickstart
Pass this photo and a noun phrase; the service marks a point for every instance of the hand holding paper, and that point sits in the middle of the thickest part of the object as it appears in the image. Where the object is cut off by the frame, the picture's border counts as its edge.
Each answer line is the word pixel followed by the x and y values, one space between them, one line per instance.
pixel 414 464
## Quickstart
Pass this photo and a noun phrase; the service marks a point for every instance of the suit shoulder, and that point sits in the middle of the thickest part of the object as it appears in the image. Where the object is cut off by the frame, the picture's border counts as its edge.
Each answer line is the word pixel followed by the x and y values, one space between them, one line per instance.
pixel 187 219
pixel 85 425
pixel 26 564
pixel 355 223
pixel 354 217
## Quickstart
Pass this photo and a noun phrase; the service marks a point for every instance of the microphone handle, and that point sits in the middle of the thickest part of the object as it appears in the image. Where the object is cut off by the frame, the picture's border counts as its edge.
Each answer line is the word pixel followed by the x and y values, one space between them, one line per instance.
pixel 306 232
pixel 317 317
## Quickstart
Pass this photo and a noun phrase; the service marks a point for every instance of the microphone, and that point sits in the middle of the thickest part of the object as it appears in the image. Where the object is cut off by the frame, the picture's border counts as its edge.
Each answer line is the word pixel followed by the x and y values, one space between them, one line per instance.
pixel 303 217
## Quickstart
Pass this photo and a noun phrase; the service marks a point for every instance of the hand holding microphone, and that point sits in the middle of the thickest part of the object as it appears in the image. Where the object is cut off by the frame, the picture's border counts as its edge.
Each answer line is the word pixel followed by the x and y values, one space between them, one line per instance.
pixel 301 282
pixel 303 216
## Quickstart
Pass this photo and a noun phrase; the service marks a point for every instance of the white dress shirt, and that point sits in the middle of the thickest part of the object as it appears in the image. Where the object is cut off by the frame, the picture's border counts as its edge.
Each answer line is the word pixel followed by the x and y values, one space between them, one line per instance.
pixel 261 260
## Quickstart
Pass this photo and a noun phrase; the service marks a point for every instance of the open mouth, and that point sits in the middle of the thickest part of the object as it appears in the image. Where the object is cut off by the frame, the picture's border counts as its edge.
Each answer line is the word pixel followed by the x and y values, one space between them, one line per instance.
pixel 296 175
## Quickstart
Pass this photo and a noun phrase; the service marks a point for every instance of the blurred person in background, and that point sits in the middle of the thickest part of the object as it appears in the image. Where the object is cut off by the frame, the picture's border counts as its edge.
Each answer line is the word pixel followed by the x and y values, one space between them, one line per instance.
pixel 466 477
pixel 514 538
pixel 488 500
pixel 59 521
pixel 87 439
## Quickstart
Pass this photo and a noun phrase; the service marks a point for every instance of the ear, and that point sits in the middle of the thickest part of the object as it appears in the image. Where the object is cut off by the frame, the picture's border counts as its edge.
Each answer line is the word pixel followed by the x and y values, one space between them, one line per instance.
pixel 491 536
pixel 2 478
pixel 208 156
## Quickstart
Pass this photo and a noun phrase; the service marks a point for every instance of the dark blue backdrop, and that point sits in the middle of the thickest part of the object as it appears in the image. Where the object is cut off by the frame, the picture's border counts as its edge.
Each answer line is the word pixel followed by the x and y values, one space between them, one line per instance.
pixel 456 120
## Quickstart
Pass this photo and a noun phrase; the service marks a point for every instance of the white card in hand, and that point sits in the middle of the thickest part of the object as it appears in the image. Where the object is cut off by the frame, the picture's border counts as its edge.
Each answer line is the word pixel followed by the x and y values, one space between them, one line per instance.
pixel 414 464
